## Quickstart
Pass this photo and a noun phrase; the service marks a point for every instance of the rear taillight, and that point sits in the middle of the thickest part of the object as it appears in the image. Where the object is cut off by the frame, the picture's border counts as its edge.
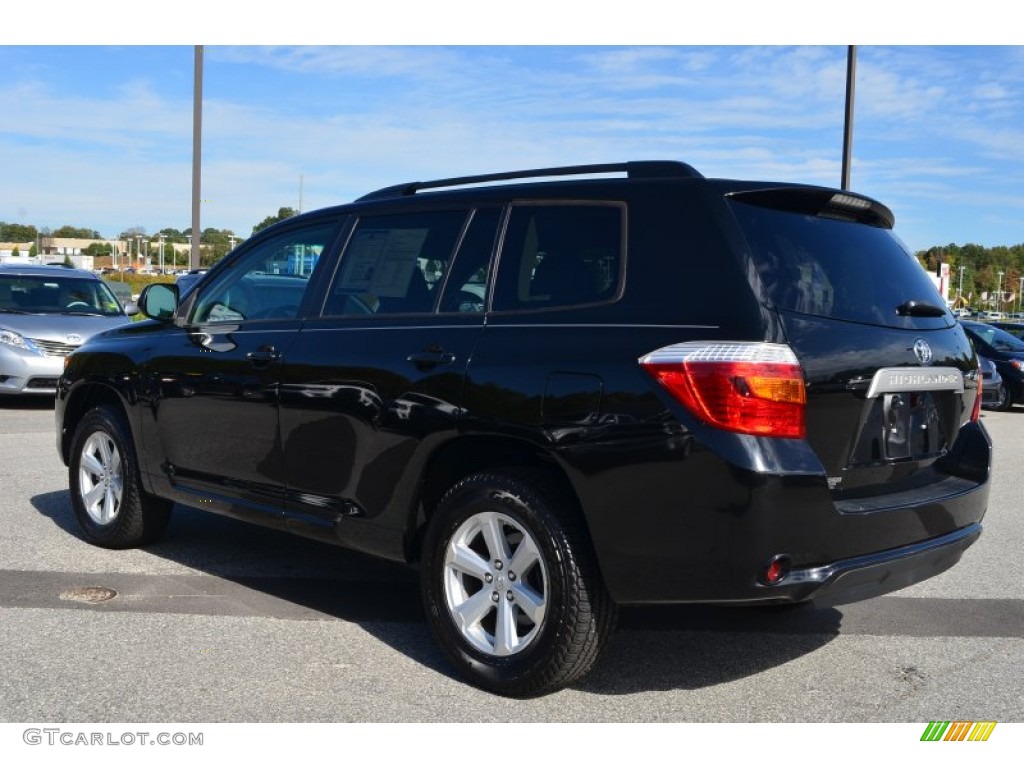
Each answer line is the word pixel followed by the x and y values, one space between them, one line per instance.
pixel 755 388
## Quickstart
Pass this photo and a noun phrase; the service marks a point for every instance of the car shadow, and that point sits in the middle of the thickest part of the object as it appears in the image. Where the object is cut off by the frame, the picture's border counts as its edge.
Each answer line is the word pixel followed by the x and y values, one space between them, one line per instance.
pixel 655 648
pixel 1012 410
pixel 687 647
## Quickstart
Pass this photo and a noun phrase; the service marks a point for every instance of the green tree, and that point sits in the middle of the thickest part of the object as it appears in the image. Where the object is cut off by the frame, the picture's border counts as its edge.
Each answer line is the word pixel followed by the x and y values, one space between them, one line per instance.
pixel 98 249
pixel 77 232
pixel 282 214
pixel 215 244
pixel 172 235
pixel 67 261
pixel 15 253
pixel 17 233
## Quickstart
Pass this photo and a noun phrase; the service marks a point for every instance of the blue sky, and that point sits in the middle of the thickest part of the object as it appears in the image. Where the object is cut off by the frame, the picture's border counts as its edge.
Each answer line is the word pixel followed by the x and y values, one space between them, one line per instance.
pixel 101 136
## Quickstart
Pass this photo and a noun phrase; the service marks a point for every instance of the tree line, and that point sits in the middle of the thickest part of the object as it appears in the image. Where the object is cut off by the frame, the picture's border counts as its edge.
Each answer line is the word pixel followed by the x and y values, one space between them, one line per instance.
pixel 214 243
pixel 981 272
pixel 978 282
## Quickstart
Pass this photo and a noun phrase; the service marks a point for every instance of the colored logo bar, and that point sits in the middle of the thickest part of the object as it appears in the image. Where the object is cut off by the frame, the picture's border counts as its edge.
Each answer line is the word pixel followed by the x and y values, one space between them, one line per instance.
pixel 940 730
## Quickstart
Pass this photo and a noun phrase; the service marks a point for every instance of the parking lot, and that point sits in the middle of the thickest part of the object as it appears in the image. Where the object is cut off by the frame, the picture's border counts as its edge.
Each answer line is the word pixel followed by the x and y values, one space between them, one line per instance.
pixel 224 622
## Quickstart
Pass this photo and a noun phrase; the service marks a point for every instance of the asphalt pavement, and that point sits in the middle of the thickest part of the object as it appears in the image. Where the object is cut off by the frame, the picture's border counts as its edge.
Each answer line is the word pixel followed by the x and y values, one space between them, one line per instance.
pixel 224 622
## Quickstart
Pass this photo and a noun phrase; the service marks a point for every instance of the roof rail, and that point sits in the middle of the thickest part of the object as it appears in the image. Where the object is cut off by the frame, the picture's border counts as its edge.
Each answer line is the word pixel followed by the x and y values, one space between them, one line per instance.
pixel 643 169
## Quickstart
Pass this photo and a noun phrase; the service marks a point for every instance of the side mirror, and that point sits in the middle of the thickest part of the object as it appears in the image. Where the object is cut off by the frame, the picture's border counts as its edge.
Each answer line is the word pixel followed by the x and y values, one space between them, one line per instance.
pixel 159 301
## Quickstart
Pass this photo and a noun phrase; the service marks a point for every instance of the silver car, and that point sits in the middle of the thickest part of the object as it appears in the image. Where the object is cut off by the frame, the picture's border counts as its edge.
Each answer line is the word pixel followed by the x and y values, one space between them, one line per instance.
pixel 995 395
pixel 45 314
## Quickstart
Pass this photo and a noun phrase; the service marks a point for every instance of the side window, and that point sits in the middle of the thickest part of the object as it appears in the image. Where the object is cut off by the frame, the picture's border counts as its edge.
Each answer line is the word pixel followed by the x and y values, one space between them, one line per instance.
pixel 560 255
pixel 269 281
pixel 394 263
pixel 465 290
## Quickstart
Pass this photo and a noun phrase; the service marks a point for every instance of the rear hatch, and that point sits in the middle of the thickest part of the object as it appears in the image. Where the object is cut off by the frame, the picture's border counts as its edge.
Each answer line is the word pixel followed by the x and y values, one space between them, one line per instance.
pixel 891 377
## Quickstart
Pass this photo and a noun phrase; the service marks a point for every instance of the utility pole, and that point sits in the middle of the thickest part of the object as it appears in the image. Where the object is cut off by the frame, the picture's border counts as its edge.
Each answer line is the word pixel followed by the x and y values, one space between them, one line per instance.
pixel 851 78
pixel 197 153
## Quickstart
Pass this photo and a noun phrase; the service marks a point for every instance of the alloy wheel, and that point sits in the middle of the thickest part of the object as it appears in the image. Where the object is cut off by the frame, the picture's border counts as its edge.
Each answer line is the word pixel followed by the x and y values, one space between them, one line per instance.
pixel 101 482
pixel 496 584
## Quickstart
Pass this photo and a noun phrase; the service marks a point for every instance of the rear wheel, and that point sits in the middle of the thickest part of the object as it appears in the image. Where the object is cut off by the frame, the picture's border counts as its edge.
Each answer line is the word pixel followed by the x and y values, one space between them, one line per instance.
pixel 510 585
pixel 106 494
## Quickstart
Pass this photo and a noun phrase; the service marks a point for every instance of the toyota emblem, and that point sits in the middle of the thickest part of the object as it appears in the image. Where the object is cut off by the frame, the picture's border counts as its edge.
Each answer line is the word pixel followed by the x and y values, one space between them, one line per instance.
pixel 923 351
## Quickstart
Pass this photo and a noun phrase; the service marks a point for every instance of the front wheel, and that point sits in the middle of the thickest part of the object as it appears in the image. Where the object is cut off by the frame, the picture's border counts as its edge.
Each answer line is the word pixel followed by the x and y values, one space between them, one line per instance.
pixel 109 502
pixel 510 585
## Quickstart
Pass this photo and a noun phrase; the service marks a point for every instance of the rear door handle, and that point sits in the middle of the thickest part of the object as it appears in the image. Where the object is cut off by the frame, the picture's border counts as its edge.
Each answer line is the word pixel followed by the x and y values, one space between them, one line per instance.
pixel 430 358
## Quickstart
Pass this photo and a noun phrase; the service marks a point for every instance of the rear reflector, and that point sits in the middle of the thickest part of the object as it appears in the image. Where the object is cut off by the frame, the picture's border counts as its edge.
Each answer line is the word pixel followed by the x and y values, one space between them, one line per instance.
pixel 776 570
pixel 755 388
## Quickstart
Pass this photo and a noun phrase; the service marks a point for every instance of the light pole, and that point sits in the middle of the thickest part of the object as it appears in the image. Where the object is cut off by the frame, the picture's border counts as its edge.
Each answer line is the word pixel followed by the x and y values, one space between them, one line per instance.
pixel 1020 289
pixel 161 236
pixel 851 80
pixel 197 152
pixel 999 293
pixel 960 290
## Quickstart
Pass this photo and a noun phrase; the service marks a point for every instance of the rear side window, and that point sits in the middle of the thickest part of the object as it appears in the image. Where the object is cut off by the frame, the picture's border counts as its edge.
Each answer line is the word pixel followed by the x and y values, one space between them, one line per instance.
pixel 394 263
pixel 834 268
pixel 560 255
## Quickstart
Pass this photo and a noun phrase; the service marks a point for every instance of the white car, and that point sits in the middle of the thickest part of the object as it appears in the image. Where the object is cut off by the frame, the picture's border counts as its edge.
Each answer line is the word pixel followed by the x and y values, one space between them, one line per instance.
pixel 46 313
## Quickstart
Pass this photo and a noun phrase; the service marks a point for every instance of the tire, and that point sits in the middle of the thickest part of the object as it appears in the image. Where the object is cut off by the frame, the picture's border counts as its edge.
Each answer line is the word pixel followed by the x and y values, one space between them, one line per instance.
pixel 1003 401
pixel 111 507
pixel 524 633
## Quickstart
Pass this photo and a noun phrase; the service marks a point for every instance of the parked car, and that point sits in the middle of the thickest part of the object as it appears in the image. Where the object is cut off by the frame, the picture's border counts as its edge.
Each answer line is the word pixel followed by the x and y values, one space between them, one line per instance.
pixel 1014 329
pixel 1005 350
pixel 655 388
pixel 995 395
pixel 186 280
pixel 121 290
pixel 47 312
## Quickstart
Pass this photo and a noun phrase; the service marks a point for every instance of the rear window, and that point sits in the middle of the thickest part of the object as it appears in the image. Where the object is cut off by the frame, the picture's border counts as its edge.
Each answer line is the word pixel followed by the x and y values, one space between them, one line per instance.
pixel 834 268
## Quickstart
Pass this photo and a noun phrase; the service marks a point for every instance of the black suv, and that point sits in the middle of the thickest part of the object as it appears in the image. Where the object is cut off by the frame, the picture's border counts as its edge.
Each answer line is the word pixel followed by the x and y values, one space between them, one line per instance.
pixel 556 396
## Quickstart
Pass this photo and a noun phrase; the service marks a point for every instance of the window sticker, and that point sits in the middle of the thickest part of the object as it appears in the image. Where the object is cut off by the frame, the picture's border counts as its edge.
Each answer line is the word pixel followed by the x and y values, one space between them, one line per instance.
pixel 380 262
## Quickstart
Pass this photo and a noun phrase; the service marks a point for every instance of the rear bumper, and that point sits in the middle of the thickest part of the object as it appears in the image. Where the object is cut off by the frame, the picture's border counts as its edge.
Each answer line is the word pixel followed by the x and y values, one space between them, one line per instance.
pixel 860 578
pixel 697 529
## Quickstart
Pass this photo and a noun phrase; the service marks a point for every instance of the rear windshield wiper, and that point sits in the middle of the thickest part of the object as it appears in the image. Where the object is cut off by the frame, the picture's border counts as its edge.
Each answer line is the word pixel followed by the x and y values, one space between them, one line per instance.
pixel 920 309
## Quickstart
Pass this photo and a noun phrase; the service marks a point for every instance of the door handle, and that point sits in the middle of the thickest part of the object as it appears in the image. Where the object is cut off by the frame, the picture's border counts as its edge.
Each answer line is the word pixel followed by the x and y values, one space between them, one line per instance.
pixel 263 356
pixel 430 358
